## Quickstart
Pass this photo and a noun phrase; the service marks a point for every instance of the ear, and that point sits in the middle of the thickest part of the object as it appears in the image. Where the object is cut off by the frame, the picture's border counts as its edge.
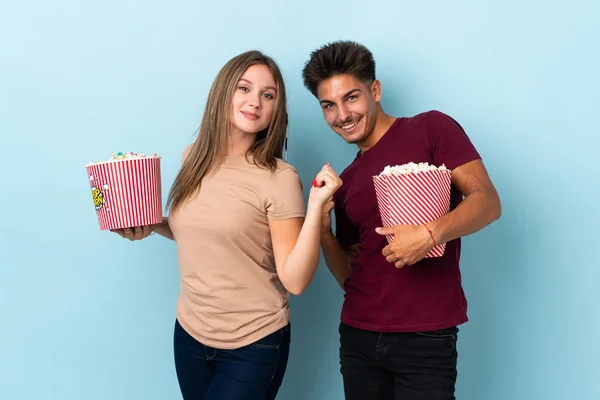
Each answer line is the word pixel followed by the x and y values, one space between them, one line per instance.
pixel 376 90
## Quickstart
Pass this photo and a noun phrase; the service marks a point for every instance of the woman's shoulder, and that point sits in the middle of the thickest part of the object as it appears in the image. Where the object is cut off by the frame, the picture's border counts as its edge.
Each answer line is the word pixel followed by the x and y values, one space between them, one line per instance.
pixel 284 166
pixel 186 151
pixel 285 174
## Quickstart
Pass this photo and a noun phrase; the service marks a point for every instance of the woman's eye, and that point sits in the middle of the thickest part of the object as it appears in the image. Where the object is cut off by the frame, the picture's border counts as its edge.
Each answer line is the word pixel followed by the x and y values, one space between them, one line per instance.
pixel 269 96
pixel 244 89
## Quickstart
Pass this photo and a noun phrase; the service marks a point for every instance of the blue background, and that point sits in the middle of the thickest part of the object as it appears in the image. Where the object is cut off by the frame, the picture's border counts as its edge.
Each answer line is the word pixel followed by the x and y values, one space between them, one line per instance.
pixel 88 315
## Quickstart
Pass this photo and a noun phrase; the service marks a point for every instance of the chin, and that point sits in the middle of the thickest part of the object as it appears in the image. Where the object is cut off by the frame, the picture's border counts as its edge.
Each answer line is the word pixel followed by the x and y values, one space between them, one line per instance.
pixel 249 128
pixel 352 139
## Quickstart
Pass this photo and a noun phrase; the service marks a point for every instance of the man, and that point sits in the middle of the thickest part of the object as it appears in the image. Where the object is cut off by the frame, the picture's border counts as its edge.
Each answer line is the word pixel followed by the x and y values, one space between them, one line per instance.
pixel 401 310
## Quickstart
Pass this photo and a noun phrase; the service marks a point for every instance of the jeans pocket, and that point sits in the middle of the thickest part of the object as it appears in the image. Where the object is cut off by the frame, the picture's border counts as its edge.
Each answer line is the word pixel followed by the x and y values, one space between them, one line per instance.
pixel 449 333
pixel 258 345
pixel 272 341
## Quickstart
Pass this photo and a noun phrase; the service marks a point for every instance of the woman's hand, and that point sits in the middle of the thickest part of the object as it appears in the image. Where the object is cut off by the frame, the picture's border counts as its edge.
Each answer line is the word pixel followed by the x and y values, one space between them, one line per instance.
pixel 137 233
pixel 326 183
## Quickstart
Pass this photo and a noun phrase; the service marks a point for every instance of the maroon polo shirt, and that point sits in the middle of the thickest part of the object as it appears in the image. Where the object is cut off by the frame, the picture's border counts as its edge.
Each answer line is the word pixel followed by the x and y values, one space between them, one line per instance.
pixel 378 296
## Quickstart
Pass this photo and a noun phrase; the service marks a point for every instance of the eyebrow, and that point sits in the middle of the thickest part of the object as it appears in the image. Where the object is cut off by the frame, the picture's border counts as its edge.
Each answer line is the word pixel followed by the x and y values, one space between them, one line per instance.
pixel 346 95
pixel 266 87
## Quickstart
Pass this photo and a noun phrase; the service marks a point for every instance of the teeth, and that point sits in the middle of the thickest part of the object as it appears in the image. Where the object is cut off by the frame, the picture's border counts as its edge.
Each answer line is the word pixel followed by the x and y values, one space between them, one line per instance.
pixel 349 126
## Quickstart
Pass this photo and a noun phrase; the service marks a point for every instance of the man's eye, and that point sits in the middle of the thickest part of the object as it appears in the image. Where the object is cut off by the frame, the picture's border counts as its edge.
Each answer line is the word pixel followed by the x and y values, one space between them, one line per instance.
pixel 351 98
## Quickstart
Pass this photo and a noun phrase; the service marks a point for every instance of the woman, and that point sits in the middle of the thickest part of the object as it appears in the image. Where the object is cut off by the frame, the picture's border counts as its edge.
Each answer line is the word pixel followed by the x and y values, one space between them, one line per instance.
pixel 243 237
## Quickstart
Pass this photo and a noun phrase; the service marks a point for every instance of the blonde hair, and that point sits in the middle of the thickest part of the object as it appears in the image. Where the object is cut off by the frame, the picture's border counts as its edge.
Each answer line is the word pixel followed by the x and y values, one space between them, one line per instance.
pixel 207 152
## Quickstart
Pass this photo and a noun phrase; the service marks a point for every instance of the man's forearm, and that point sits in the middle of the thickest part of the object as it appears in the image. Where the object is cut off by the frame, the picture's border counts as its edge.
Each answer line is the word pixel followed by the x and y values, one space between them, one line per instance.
pixel 337 260
pixel 474 213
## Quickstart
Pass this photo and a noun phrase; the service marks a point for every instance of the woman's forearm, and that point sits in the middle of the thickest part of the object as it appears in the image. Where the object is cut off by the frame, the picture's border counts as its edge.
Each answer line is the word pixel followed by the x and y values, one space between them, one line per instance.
pixel 163 229
pixel 301 264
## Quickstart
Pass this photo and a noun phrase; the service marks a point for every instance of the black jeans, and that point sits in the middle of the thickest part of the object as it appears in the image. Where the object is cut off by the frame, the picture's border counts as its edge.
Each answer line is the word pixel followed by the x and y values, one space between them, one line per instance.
pixel 398 366
pixel 253 372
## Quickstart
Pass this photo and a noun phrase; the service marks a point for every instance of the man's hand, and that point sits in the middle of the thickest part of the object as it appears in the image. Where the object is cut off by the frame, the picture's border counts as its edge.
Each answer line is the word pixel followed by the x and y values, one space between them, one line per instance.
pixel 326 217
pixel 410 245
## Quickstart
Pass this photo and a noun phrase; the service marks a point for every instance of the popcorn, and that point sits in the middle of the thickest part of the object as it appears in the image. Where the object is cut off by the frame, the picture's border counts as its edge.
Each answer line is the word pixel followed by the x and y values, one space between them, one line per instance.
pixel 413 194
pixel 126 190
pixel 411 168
pixel 123 156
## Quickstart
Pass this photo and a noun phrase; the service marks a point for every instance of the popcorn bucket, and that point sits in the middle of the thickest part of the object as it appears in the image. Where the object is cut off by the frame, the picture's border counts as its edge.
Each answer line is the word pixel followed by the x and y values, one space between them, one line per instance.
pixel 127 192
pixel 414 199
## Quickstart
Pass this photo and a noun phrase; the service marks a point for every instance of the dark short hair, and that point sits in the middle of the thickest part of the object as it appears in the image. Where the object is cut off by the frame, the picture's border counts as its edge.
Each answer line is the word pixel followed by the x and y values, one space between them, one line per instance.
pixel 341 57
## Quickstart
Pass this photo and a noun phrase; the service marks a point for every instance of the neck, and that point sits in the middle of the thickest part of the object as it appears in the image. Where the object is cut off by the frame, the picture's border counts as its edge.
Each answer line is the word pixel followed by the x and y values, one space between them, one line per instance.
pixel 383 122
pixel 239 143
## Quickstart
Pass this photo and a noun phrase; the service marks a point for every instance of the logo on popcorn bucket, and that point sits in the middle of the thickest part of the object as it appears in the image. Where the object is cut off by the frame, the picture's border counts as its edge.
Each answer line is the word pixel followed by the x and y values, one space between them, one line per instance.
pixel 98 195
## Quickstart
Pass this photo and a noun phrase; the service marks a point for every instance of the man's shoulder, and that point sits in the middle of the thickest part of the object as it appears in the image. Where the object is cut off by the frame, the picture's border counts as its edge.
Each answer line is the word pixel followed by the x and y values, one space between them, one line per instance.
pixel 431 116
pixel 433 123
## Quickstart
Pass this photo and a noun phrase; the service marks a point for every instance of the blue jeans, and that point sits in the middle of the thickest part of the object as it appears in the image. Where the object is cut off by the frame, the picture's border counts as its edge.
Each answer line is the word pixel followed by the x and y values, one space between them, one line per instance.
pixel 253 372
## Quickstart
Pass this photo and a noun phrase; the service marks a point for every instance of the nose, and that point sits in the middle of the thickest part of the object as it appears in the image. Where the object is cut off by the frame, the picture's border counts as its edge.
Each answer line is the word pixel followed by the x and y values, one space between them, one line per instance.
pixel 343 113
pixel 255 100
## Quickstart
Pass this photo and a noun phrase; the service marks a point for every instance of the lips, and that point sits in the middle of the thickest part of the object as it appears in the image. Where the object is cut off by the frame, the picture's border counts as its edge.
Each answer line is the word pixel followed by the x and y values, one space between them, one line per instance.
pixel 250 116
pixel 349 126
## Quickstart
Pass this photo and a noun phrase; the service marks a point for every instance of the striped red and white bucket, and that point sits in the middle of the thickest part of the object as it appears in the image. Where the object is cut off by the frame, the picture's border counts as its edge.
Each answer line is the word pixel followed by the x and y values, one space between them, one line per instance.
pixel 414 199
pixel 126 193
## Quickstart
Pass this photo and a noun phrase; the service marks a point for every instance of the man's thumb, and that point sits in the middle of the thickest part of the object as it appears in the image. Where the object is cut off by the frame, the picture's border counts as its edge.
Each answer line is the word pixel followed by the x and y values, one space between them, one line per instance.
pixel 383 230
pixel 329 206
